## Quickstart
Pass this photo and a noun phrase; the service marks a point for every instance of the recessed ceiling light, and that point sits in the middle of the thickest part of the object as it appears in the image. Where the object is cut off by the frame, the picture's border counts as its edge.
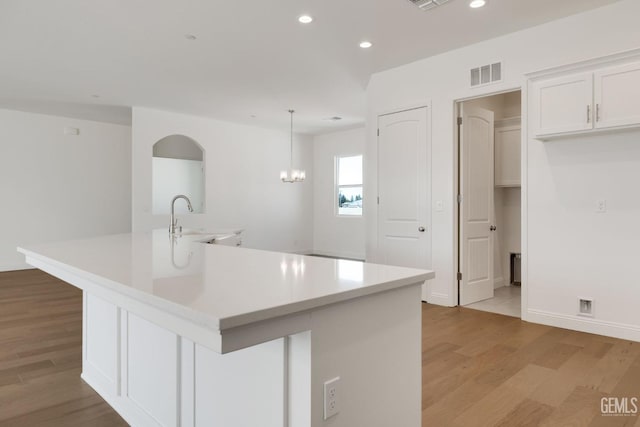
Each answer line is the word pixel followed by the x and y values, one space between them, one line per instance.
pixel 366 44
pixel 305 19
pixel 190 37
pixel 477 3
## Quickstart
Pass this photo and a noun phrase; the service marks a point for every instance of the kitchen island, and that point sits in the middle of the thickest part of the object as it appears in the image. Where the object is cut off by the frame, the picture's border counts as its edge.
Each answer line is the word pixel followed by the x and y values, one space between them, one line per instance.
pixel 178 332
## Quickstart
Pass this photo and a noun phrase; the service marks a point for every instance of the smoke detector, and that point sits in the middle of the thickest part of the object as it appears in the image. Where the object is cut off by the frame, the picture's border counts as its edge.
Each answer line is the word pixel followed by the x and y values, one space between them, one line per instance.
pixel 428 4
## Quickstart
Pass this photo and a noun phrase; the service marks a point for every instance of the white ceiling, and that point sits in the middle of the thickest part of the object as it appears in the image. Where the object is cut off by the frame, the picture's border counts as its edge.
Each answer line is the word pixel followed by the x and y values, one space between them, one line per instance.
pixel 249 58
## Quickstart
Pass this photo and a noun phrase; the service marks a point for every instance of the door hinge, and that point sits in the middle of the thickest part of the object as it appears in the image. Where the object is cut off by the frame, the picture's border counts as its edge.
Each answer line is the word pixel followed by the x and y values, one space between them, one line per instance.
pixel 459 121
pixel 459 276
pixel 378 199
pixel 378 132
pixel 459 198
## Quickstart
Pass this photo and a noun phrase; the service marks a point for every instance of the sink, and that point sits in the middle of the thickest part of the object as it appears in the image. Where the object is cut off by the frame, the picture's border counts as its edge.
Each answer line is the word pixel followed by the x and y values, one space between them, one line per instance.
pixel 231 239
pixel 221 237
pixel 192 232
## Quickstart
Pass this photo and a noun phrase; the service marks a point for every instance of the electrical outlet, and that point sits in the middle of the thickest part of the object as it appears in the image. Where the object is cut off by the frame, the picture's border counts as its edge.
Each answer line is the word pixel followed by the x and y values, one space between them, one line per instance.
pixel 601 206
pixel 585 307
pixel 331 397
pixel 439 206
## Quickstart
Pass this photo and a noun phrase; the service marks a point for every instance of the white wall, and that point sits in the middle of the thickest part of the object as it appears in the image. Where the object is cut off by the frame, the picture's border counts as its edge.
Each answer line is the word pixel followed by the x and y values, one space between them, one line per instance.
pixel 570 251
pixel 242 180
pixel 60 187
pixel 335 235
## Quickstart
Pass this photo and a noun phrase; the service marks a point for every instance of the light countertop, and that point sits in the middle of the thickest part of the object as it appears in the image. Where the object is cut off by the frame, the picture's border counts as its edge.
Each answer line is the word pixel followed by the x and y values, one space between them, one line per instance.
pixel 218 286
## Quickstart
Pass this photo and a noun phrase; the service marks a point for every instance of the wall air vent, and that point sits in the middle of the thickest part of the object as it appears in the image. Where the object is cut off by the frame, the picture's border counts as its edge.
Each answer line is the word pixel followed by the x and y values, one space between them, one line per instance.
pixel 428 4
pixel 486 74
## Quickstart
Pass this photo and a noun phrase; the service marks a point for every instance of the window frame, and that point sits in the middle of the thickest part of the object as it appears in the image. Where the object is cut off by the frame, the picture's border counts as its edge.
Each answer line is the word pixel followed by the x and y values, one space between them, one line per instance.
pixel 337 186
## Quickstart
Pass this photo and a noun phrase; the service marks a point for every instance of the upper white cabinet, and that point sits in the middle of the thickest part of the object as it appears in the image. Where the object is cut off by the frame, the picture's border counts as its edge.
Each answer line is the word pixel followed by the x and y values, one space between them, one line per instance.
pixel 562 104
pixel 617 96
pixel 597 95
pixel 507 153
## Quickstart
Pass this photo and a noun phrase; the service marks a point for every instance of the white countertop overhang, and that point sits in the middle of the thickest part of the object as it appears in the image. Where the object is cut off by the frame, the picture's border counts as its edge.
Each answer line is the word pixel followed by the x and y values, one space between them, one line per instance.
pixel 218 288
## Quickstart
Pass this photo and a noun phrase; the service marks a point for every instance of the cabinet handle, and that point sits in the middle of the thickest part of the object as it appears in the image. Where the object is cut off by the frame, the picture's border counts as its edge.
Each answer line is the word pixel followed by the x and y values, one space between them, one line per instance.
pixel 588 113
pixel 597 112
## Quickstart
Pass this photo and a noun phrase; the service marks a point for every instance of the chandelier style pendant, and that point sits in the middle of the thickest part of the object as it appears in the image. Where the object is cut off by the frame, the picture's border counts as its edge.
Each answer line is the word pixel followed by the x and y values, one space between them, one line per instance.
pixel 292 175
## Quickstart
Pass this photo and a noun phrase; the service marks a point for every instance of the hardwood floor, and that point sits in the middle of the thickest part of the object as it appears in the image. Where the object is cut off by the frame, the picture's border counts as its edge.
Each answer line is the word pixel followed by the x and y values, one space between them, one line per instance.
pixel 479 369
pixel 485 369
pixel 41 356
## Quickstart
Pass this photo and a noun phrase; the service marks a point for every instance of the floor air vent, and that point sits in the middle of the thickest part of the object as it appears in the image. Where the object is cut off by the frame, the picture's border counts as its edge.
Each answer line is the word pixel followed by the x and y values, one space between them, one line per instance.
pixel 428 4
pixel 486 74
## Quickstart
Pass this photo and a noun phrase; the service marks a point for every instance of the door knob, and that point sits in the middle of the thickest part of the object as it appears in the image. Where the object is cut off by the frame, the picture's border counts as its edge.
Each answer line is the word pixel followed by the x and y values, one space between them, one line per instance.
pixel 493 228
pixel 421 229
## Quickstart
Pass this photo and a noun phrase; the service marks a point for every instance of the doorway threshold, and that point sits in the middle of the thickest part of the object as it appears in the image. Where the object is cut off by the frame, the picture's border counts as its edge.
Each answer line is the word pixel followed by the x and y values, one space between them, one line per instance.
pixel 506 301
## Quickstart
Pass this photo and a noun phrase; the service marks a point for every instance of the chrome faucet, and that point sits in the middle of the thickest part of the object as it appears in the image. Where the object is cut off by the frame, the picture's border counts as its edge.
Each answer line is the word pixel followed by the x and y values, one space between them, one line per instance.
pixel 174 220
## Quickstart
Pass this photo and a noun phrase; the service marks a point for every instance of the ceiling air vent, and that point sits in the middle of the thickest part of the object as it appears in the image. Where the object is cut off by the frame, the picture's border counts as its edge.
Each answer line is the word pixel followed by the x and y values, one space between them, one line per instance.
pixel 486 74
pixel 428 4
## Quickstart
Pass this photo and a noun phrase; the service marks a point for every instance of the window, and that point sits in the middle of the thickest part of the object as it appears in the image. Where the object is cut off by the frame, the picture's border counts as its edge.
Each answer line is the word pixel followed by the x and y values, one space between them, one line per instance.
pixel 349 185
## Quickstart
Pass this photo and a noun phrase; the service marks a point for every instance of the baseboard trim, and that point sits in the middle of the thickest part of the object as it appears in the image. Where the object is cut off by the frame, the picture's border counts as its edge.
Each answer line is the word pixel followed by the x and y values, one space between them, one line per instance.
pixel 584 324
pixel 116 402
pixel 15 268
pixel 439 298
pixel 498 282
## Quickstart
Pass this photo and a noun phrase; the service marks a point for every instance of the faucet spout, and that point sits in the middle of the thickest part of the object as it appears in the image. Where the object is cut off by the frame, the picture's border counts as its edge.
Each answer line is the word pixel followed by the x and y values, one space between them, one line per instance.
pixel 174 220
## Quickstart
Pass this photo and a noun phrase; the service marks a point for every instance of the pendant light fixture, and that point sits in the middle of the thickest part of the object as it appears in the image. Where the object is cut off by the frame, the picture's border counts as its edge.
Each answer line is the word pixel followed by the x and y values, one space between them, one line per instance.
pixel 292 175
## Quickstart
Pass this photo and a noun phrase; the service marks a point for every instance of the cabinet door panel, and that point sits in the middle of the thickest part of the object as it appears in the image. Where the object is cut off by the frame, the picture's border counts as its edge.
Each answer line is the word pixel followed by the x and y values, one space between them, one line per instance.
pixel 617 94
pixel 563 104
pixel 152 370
pixel 507 156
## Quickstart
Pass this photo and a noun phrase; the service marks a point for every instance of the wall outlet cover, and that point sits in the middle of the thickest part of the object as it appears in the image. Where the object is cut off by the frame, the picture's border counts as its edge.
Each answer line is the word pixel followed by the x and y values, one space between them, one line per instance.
pixel 585 307
pixel 331 397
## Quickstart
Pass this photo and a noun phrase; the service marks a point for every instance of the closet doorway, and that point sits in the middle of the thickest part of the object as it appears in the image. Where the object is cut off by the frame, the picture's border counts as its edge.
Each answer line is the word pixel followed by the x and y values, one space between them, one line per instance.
pixel 489 203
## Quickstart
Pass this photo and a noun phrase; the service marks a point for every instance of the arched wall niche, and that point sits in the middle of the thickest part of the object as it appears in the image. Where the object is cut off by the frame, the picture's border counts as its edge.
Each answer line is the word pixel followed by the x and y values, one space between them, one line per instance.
pixel 178 168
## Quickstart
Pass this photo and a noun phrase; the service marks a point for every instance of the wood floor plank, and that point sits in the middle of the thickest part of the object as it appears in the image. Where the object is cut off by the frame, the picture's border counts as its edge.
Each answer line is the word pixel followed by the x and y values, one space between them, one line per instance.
pixel 446 409
pixel 559 387
pixel 496 405
pixel 557 355
pixel 528 413
pixel 610 369
pixel 434 389
pixel 579 409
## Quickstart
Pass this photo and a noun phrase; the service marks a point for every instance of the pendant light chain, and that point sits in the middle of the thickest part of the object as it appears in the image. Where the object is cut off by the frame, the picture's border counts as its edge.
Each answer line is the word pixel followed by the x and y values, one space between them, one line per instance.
pixel 291 153
pixel 292 175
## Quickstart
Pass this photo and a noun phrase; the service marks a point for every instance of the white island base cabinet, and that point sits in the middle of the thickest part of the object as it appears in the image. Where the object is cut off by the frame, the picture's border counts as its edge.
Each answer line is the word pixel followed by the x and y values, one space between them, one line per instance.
pixel 239 337
pixel 155 377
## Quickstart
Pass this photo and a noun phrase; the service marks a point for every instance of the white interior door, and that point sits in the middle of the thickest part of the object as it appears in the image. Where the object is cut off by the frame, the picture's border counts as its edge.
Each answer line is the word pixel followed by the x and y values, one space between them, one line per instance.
pixel 404 237
pixel 476 208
